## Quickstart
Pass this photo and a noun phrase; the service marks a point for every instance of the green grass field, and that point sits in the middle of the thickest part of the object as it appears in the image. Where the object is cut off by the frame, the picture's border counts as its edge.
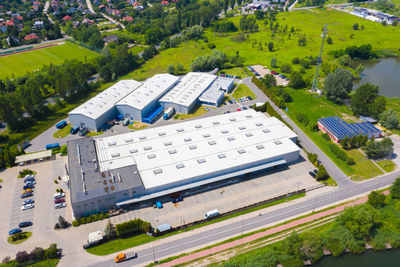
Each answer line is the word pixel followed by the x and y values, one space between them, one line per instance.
pixel 387 165
pixel 200 110
pixel 243 90
pixel 235 71
pixel 19 64
pixel 62 132
pixel 43 263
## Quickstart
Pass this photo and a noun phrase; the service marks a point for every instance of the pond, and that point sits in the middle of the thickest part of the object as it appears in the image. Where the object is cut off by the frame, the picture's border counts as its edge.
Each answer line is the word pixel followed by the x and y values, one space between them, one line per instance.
pixel 385 73
pixel 369 258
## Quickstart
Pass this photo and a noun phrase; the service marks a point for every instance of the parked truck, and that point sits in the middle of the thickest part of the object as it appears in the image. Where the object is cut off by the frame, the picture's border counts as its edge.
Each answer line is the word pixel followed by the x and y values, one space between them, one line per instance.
pixel 61 124
pixel 168 113
pixel 211 213
pixel 51 146
pixel 125 256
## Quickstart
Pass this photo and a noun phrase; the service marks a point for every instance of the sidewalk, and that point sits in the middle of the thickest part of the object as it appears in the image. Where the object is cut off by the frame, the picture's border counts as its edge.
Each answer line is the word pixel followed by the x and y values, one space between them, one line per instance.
pixel 271 231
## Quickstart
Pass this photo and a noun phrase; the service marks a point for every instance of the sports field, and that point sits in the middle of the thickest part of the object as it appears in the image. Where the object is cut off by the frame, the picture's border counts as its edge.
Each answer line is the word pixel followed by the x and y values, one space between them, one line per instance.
pixel 19 64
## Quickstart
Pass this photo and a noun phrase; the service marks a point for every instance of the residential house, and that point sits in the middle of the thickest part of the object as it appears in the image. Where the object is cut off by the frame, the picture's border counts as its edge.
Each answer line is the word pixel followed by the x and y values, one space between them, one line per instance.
pixel 38 24
pixel 67 18
pixel 31 37
pixel 110 39
pixel 127 18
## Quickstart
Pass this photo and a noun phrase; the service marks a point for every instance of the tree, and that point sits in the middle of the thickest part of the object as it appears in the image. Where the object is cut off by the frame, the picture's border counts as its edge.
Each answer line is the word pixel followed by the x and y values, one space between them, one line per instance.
pixel 292 245
pixel 311 246
pixel 344 60
pixel 329 40
pixel 359 220
pixel 302 41
pixel 171 69
pixel 273 62
pixel 338 84
pixel 355 26
pixel 296 80
pixel 389 119
pixel 286 68
pixel 270 46
pixel 62 222
pixel 109 231
pixel 366 101
pixel 179 68
pixel 21 256
pixel 376 199
pixel 378 150
pixel 52 252
pixel 394 23
pixel 322 173
pixel 232 4
pixel 395 189
pixel 269 80
pixel 37 253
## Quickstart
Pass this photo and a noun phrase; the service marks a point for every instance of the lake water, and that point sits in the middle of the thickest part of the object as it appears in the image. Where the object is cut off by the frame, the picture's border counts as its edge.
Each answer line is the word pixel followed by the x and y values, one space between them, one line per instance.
pixel 385 73
pixel 369 258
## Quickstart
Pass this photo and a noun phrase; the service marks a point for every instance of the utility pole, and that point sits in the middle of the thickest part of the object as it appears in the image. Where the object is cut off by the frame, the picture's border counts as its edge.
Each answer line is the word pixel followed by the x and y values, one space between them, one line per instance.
pixel 324 34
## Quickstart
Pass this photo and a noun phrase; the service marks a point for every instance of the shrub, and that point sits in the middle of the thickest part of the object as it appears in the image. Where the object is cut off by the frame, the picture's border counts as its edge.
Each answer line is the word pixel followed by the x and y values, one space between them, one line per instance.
pixel 6 259
pixel 211 45
pixel 62 222
pixel 37 253
pixel 395 189
pixel 376 199
pixel 286 68
pixel 52 252
pixel 132 227
pixel 295 61
pixel 303 118
pixel 21 256
pixel 312 157
pixel 322 173
pixel 75 223
pixel 314 127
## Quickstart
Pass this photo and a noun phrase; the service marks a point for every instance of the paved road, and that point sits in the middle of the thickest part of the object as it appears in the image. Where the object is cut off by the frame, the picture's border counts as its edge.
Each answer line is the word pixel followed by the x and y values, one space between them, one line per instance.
pixel 305 141
pixel 229 230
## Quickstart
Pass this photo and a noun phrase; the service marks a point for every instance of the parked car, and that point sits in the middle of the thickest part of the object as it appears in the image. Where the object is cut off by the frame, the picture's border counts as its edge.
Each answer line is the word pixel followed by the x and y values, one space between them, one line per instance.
pixel 30 182
pixel 28 201
pixel 27 207
pixel 312 174
pixel 29 190
pixel 83 131
pixel 26 180
pixel 24 224
pixel 59 195
pixel 315 171
pixel 59 200
pixel 27 194
pixel 14 231
pixel 178 199
pixel 159 205
pixel 244 108
pixel 60 205
pixel 238 109
pixel 28 186
pixel 249 97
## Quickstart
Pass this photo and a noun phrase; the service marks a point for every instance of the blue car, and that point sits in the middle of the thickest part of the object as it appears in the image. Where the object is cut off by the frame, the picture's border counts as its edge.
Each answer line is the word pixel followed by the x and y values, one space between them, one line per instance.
pixel 27 194
pixel 29 186
pixel 159 205
pixel 14 231
pixel 175 200
pixel 28 201
pixel 24 224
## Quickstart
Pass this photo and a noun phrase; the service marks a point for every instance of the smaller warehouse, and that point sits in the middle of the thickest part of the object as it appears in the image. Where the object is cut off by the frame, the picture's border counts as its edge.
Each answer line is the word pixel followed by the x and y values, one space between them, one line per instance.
pixel 337 129
pixel 95 113
pixel 213 96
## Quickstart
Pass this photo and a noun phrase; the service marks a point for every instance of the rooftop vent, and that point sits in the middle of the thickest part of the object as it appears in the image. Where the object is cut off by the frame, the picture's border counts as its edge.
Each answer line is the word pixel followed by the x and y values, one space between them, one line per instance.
pixel 158 171
pixel 278 142
pixel 221 156
pixel 161 134
pixel 129 140
pixel 112 143
pixel 232 119
pixel 266 131
pixel 241 151
pixel 142 137
pixel 198 126
pixel 231 138
pixel 147 148
pixel 249 116
pixel 200 161
pixel 242 128
pixel 259 124
pixel 167 143
pixel 133 151
pixel 151 156
pixel 212 143
pixel 216 122
pixel 173 151
pixel 224 131
pixel 249 134
pixel 180 130
pixel 260 147
pixel 192 147
pixel 206 135
pixel 114 155
pixel 188 139
pixel 180 166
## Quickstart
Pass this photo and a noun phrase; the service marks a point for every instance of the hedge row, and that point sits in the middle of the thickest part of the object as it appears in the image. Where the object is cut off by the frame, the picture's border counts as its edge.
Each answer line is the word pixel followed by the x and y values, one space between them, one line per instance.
pixel 90 218
pixel 340 154
pixel 133 227
pixel 277 100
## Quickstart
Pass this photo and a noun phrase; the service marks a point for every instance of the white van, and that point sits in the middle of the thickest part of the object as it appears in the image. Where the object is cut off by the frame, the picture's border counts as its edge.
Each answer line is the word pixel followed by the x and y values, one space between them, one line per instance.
pixel 211 213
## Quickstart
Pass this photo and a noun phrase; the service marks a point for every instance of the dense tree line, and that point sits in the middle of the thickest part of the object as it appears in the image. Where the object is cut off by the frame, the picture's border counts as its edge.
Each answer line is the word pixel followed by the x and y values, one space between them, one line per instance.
pixel 248 24
pixel 366 101
pixel 355 52
pixel 209 62
pixel 224 26
pixel 88 34
pixel 379 149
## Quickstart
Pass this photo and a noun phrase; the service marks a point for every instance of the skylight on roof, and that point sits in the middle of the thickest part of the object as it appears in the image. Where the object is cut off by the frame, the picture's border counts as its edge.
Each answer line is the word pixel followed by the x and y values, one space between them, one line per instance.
pixel 151 156
pixel 187 139
pixel 157 171
pixel 224 131
pixel 112 143
pixel 241 151
pixel 133 151
pixel 221 156
pixel 142 137
pixel 180 165
pixel 266 131
pixel 260 147
pixel 278 142
pixel 249 134
pixel 161 134
pixel 212 142
pixel 206 135
pixel 200 161
pixel 192 147
pixel 172 151
pixel 168 144
pixel 147 148
pixel 231 138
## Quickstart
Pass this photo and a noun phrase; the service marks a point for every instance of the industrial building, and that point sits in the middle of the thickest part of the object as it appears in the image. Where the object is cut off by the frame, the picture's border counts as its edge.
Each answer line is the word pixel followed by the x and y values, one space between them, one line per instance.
pixel 142 104
pixel 128 168
pixel 184 96
pixel 337 129
pixel 95 113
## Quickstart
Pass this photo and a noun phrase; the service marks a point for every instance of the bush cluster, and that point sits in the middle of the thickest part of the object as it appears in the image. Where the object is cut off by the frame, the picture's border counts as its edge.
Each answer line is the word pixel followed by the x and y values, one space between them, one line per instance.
pixel 133 227
pixel 90 218
pixel 340 154
pixel 303 118
pixel 23 258
pixel 269 93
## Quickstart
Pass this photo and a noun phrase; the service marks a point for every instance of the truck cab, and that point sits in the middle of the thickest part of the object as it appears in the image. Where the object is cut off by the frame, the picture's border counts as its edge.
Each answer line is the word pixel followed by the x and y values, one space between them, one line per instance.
pixel 120 257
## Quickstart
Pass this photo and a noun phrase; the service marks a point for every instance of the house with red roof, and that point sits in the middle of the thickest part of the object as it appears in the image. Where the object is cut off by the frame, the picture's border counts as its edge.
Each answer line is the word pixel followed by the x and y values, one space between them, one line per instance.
pixel 127 18
pixel 67 17
pixel 10 23
pixel 31 37
pixel 116 12
pixel 164 3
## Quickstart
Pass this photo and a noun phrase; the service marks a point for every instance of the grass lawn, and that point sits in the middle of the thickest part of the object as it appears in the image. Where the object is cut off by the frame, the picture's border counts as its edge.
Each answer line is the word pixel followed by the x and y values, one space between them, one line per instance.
pixel 92 133
pixel 137 125
pixel 129 242
pixel 387 165
pixel 315 107
pixel 329 182
pixel 200 110
pixel 43 263
pixel 9 239
pixel 19 64
pixel 136 49
pixel 62 132
pixel 235 71
pixel 243 90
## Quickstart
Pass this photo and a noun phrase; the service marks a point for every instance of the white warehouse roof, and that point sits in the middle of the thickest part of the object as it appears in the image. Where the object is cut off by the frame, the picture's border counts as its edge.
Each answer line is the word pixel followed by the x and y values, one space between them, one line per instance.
pixel 152 88
pixel 212 94
pixel 196 148
pixel 189 89
pixel 96 106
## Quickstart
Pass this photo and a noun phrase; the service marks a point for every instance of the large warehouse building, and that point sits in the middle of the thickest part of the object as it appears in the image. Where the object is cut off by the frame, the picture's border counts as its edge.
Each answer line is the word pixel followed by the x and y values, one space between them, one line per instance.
pixel 95 113
pixel 146 101
pixel 142 104
pixel 148 164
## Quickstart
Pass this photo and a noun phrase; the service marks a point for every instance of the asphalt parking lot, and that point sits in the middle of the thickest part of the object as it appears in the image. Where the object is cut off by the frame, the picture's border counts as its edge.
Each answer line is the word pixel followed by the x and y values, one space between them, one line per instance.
pixel 229 195
pixel 17 215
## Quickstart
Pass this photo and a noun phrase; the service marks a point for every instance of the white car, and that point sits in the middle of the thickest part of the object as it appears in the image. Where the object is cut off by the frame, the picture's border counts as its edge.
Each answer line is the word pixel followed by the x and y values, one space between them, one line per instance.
pixel 60 205
pixel 27 207
pixel 59 195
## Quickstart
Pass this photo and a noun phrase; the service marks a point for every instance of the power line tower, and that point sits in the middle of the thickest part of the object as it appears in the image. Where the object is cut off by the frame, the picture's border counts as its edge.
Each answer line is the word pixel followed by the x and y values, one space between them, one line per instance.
pixel 324 34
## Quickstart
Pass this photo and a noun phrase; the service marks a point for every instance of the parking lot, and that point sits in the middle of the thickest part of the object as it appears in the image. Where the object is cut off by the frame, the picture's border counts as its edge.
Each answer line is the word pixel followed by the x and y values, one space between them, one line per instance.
pixel 262 71
pixel 227 195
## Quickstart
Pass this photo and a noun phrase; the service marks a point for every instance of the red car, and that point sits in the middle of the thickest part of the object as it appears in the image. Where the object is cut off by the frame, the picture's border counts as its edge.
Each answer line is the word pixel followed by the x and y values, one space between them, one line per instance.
pixel 59 200
pixel 238 109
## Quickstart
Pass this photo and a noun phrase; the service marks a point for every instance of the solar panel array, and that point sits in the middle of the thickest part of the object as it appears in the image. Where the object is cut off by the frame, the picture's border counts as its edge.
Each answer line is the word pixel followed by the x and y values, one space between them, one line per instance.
pixel 341 129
